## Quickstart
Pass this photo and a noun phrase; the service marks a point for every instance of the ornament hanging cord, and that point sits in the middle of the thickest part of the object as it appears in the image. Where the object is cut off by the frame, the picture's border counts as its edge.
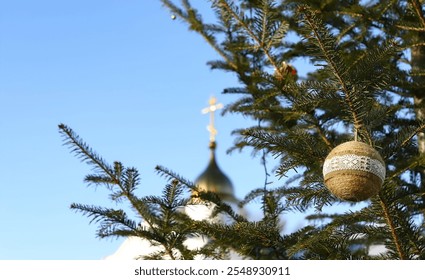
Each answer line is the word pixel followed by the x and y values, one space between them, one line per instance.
pixel 356 133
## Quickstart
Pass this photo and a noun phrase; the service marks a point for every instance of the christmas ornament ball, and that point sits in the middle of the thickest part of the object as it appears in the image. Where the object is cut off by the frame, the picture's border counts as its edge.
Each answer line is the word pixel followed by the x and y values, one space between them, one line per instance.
pixel 354 171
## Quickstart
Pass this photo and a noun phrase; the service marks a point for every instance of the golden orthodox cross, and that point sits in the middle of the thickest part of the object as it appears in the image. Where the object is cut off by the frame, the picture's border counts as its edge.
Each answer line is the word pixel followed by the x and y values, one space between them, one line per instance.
pixel 211 109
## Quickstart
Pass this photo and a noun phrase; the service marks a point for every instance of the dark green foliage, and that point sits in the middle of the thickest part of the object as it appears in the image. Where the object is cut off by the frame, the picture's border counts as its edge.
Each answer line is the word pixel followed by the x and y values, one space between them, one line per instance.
pixel 160 219
pixel 358 90
pixel 368 84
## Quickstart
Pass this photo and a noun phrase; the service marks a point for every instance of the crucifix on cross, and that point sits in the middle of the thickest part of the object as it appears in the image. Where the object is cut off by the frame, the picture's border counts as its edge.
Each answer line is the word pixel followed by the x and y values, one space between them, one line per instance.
pixel 214 106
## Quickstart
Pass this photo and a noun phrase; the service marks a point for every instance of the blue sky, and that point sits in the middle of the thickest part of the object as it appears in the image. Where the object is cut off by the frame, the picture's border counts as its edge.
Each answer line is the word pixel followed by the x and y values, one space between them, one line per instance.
pixel 131 82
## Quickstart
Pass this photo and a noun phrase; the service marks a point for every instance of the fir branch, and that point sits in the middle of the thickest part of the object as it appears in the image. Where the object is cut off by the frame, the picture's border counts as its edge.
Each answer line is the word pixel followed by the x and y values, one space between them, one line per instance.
pixel 111 221
pixel 230 9
pixel 402 138
pixel 258 240
pixel 286 166
pixel 328 49
pixel 309 95
pixel 271 30
pixel 84 152
pixel 307 195
pixel 125 179
pixel 193 19
pixel 345 232
pixel 417 44
pixel 251 196
pixel 161 214
pixel 392 227
pixel 243 106
pixel 296 144
pixel 97 179
pixel 410 28
pixel 417 7
pixel 170 176
pixel 372 69
pixel 219 206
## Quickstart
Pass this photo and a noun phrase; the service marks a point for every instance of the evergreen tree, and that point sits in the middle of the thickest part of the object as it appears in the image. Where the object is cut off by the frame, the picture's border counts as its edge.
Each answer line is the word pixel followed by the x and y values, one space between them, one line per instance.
pixel 360 89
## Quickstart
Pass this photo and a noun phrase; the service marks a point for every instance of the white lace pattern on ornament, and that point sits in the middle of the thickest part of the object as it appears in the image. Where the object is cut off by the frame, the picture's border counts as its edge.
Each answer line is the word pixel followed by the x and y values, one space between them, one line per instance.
pixel 354 162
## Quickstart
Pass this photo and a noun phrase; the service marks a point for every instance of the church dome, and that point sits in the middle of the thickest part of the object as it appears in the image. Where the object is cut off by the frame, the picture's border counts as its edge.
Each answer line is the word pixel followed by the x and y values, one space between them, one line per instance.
pixel 214 180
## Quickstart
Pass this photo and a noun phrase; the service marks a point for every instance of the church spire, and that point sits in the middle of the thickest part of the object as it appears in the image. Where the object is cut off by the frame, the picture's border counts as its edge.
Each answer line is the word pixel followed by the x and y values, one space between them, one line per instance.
pixel 213 179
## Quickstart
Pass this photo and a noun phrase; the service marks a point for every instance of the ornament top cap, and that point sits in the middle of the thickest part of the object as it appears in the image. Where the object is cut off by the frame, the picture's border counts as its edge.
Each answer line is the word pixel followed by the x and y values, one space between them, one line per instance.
pixel 357 148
